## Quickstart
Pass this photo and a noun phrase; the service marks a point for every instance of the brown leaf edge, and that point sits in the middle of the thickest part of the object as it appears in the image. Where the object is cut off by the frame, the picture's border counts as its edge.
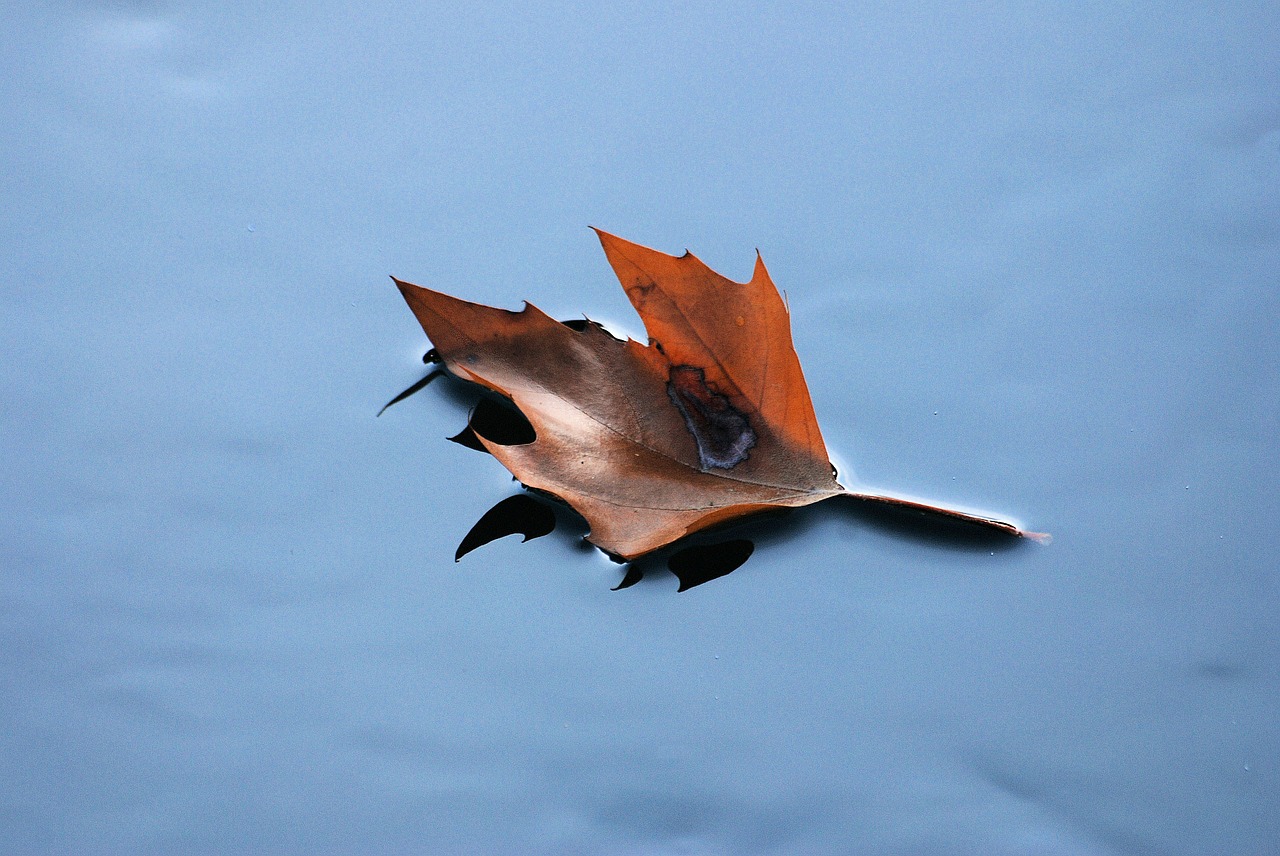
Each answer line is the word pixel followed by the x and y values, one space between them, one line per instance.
pixel 969 517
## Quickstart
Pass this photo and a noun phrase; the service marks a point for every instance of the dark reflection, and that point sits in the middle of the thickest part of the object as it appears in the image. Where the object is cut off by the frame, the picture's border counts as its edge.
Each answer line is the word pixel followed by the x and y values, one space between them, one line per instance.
pixel 704 560
pixel 702 563
pixel 698 559
pixel 708 554
pixel 693 561
pixel 498 421
pixel 633 575
pixel 467 437
pixel 583 324
pixel 930 527
pixel 430 376
pixel 516 515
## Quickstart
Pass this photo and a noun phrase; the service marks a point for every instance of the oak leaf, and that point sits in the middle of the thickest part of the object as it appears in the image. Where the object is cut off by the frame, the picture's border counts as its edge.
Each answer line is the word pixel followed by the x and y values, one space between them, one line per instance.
pixel 708 422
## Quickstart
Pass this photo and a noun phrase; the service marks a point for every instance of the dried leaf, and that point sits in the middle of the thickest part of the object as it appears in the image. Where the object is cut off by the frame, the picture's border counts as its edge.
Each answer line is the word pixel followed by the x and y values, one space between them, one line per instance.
pixel 708 422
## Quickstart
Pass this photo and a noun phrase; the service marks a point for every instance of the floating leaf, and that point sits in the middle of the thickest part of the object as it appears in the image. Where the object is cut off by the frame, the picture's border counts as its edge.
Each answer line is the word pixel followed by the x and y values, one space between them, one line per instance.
pixel 708 422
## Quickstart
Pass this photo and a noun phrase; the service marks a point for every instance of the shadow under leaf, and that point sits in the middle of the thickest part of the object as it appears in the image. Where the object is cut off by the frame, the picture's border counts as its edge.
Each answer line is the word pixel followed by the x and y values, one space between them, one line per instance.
pixel 417 387
pixel 498 421
pixel 516 515
pixel 932 528
pixel 701 560
pixel 702 563
pixel 692 561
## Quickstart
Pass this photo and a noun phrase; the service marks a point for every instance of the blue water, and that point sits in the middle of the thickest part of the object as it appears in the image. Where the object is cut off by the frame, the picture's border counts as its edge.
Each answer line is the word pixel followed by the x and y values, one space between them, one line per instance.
pixel 1030 253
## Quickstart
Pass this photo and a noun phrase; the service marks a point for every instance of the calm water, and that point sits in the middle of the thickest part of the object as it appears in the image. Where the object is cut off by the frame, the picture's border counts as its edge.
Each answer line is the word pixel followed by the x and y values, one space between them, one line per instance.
pixel 1030 256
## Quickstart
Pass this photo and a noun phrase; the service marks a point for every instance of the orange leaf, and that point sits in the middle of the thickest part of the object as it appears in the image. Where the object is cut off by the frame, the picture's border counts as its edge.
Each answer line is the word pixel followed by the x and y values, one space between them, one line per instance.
pixel 708 422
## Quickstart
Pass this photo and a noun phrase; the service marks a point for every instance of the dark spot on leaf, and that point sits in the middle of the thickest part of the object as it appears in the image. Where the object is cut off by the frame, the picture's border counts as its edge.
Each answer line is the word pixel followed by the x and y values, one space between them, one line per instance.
pixel 639 289
pixel 520 514
pixel 722 432
pixel 696 565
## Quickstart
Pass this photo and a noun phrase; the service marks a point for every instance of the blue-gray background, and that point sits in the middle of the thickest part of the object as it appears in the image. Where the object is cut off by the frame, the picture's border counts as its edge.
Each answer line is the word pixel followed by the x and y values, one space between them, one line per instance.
pixel 1031 253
